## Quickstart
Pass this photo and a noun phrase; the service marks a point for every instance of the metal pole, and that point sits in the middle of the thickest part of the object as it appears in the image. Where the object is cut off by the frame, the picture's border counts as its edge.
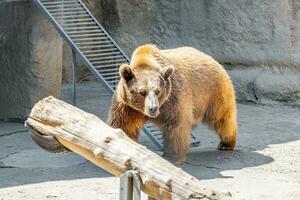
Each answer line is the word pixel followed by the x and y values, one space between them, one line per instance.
pixel 136 186
pixel 126 186
pixel 130 186
pixel 74 75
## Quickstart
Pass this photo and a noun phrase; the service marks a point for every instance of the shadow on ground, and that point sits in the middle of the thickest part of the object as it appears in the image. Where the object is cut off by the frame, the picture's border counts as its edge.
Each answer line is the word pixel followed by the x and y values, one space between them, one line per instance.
pixel 209 164
pixel 259 127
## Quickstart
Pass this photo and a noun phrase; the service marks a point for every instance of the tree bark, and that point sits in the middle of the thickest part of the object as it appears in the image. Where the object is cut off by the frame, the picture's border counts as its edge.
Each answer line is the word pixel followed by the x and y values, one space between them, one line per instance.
pixel 116 153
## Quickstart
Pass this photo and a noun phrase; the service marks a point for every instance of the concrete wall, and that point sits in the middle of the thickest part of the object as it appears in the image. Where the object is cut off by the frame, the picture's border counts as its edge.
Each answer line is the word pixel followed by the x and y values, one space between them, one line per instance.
pixel 30 58
pixel 258 41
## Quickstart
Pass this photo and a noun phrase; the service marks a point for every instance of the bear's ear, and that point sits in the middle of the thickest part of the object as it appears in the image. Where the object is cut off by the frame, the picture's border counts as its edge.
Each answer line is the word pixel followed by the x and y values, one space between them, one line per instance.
pixel 125 72
pixel 166 72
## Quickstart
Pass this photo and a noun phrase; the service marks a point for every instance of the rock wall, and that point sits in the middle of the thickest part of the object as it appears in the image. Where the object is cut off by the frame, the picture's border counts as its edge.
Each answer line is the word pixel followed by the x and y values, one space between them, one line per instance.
pixel 248 32
pixel 30 58
pixel 258 41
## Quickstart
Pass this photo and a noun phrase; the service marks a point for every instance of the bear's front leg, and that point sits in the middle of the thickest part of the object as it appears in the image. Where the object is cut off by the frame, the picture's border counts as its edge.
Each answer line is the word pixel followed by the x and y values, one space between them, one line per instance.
pixel 177 142
pixel 124 117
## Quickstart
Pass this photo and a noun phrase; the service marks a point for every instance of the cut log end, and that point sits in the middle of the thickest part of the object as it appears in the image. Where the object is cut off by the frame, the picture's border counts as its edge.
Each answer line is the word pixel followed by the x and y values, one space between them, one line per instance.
pixel 47 142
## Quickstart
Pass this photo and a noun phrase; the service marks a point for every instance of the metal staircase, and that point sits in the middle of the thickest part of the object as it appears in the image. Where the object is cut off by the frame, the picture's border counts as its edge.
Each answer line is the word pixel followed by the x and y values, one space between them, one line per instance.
pixel 94 46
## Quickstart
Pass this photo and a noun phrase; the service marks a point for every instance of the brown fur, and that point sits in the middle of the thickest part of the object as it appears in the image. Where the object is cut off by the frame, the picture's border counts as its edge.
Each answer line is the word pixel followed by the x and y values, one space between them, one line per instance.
pixel 199 90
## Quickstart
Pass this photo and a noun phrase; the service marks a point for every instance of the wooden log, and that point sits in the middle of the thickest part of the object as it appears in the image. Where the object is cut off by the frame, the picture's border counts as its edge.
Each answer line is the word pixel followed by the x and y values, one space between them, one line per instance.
pixel 116 153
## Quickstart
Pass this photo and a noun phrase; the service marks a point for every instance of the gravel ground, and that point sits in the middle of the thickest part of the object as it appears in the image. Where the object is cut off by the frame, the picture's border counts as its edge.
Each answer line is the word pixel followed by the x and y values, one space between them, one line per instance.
pixel 265 165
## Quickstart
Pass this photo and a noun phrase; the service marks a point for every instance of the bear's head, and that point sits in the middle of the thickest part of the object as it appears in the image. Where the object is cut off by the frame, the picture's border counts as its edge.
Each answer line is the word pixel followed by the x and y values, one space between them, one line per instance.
pixel 144 87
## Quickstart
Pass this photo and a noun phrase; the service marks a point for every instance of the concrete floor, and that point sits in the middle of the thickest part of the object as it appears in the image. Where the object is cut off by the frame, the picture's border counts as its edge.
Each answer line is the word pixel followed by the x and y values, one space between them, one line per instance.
pixel 265 165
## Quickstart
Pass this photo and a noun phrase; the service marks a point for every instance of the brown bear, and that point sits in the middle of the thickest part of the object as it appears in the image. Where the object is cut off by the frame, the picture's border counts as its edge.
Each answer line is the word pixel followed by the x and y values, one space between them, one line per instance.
pixel 174 89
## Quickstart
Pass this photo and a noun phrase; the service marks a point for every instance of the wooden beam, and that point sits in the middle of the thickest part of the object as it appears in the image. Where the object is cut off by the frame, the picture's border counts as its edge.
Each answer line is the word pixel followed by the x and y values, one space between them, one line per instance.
pixel 113 151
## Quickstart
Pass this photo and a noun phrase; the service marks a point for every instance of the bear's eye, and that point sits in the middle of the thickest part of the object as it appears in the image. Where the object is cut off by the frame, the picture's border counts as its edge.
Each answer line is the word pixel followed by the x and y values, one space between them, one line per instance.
pixel 143 92
pixel 157 92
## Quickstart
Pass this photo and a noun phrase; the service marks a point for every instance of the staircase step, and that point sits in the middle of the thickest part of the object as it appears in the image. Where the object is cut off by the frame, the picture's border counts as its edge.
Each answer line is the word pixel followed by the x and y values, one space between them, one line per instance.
pixel 103 54
pixel 76 24
pixel 58 2
pixel 91 39
pixel 93 42
pixel 71 16
pixel 107 57
pixel 78 20
pixel 82 32
pixel 108 61
pixel 64 10
pixel 99 50
pixel 97 46
pixel 117 64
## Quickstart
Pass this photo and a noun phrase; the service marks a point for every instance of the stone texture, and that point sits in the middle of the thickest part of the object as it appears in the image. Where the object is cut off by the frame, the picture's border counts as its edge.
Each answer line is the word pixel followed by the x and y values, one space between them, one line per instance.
pixel 249 32
pixel 253 38
pixel 30 58
pixel 266 86
pixel 283 86
pixel 82 72
pixel 41 159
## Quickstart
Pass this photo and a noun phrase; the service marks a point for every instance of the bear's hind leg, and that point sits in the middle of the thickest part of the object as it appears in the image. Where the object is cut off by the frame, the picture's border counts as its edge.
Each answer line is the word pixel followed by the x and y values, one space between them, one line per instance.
pixel 221 116
pixel 226 128
pixel 223 121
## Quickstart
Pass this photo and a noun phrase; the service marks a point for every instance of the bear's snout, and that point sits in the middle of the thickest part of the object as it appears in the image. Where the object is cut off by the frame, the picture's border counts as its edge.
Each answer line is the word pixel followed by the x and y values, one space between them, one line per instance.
pixel 151 105
pixel 153 111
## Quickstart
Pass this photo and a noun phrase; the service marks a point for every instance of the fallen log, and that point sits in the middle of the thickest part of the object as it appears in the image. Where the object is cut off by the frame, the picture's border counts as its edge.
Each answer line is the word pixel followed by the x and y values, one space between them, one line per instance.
pixel 116 153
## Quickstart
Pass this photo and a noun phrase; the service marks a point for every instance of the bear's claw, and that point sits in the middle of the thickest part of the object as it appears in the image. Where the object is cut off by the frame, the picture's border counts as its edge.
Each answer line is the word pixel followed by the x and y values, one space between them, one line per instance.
pixel 225 146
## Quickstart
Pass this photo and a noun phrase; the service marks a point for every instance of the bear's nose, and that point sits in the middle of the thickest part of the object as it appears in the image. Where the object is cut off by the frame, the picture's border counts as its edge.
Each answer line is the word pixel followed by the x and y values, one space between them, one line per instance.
pixel 152 110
